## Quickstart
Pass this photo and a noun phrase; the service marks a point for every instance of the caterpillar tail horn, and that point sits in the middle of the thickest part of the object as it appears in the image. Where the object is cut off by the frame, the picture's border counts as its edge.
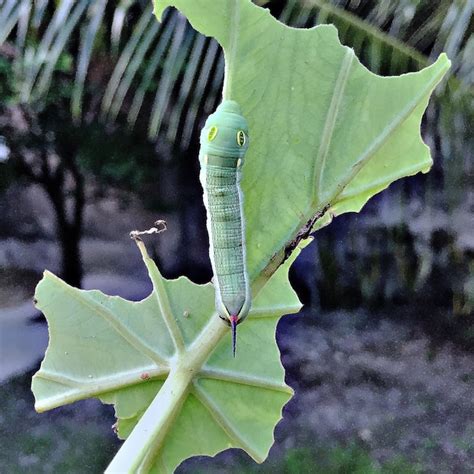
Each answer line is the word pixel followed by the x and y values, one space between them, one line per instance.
pixel 233 326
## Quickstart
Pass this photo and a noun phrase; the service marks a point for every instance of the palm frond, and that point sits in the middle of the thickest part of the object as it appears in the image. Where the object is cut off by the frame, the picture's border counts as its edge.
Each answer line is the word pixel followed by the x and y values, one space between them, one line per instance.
pixel 133 52
pixel 169 76
pixel 10 15
pixel 211 57
pixel 398 36
pixel 190 72
pixel 51 57
pixel 172 67
pixel 88 35
pixel 118 23
pixel 151 69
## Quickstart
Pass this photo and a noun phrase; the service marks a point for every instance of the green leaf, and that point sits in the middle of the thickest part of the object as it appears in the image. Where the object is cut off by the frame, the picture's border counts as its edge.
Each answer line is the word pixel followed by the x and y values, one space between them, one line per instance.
pixel 123 352
pixel 325 132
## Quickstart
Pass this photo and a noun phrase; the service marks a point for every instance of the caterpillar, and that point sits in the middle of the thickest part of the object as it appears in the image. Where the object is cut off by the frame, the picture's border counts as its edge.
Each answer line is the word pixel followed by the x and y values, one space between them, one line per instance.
pixel 224 141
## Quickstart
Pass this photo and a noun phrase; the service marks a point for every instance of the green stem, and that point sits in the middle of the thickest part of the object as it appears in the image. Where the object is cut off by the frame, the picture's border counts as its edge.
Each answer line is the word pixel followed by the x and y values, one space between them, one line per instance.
pixel 139 451
pixel 230 53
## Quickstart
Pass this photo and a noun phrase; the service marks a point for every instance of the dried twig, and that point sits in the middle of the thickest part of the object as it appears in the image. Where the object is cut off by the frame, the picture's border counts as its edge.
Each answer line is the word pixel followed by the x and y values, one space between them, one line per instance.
pixel 159 226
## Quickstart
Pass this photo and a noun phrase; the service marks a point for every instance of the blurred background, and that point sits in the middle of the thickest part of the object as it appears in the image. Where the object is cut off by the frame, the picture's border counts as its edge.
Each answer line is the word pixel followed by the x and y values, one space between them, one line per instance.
pixel 100 110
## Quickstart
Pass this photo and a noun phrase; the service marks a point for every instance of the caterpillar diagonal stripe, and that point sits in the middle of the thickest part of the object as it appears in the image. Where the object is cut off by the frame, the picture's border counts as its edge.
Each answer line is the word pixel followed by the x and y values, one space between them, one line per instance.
pixel 224 141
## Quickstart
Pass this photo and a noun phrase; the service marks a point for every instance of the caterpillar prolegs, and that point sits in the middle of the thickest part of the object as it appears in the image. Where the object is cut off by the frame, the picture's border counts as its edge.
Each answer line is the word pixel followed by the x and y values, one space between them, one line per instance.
pixel 224 141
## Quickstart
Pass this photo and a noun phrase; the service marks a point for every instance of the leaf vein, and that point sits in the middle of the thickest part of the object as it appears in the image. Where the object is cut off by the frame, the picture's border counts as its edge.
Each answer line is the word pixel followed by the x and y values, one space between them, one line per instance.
pixel 223 421
pixel 275 311
pixel 162 299
pixel 242 379
pixel 79 389
pixel 330 122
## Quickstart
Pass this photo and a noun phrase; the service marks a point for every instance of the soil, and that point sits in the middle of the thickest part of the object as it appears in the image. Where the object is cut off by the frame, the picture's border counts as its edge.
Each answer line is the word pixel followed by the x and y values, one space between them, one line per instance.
pixel 378 381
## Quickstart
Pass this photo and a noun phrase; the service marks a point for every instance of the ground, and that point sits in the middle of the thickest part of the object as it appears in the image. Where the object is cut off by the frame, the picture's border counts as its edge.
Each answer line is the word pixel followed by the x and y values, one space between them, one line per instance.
pixel 376 391
pixel 372 395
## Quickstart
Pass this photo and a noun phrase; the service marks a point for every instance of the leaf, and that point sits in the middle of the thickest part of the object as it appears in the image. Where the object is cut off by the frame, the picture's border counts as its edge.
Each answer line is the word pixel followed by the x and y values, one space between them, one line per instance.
pixel 123 352
pixel 325 132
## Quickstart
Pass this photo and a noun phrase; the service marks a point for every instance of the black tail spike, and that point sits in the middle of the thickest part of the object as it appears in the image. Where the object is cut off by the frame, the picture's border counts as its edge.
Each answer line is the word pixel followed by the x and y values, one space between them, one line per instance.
pixel 233 326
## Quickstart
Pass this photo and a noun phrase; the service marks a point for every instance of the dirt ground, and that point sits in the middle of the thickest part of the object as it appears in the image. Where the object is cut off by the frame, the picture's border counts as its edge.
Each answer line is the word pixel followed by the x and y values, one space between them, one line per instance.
pixel 376 384
pixel 370 380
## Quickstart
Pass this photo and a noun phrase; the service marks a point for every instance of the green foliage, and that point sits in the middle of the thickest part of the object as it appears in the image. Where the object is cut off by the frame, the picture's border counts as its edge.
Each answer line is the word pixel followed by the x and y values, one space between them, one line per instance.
pixel 326 135
pixel 355 459
pixel 352 459
pixel 123 158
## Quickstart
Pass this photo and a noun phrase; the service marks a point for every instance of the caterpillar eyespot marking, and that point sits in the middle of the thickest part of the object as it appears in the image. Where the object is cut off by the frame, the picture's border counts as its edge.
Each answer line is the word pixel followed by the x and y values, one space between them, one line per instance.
pixel 241 139
pixel 224 142
pixel 212 133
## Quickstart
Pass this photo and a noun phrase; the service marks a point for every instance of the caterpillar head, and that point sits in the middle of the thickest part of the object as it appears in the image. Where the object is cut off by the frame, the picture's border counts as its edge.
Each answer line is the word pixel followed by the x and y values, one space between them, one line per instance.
pixel 226 132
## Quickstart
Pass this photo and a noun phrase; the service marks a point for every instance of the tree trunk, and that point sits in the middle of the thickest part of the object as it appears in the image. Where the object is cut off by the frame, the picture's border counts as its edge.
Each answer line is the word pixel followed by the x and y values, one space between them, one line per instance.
pixel 71 264
pixel 56 170
pixel 69 228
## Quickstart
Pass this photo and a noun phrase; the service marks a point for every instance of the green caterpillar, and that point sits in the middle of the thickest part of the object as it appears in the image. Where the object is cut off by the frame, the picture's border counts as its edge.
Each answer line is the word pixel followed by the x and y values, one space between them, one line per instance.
pixel 224 141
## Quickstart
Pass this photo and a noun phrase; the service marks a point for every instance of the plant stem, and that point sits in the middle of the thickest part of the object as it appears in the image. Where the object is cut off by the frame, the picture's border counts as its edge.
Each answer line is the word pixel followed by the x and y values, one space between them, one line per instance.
pixel 230 52
pixel 138 453
pixel 153 425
